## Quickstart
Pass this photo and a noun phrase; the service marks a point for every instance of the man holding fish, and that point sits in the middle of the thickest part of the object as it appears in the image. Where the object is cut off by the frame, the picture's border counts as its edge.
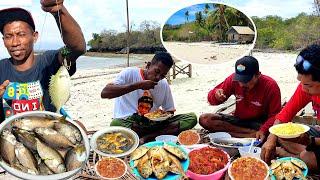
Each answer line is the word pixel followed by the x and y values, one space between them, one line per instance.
pixel 24 77
pixel 257 102
pixel 135 87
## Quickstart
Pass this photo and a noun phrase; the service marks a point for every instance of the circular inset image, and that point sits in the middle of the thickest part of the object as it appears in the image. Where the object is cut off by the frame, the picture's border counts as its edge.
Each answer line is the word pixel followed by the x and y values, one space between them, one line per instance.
pixel 208 33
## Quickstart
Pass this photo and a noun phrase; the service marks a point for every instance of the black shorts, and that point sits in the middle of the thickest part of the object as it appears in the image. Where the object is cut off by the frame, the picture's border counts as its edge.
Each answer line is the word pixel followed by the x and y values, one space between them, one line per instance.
pixel 248 123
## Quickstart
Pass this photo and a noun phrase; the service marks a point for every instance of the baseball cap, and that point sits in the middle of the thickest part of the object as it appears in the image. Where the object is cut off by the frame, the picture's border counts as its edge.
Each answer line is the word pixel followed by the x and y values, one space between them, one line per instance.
pixel 246 68
pixel 15 14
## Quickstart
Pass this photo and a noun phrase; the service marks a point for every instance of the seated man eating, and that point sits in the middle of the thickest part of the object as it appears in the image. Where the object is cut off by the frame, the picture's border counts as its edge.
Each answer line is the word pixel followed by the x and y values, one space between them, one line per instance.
pixel 257 102
pixel 139 91
pixel 307 146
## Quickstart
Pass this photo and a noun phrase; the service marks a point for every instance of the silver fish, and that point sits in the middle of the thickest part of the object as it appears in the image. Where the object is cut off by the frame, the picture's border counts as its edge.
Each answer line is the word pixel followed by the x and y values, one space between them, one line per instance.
pixel 7 146
pixel 44 170
pixel 59 87
pixel 70 131
pixel 25 157
pixel 19 167
pixel 26 138
pixel 51 158
pixel 75 157
pixel 32 122
pixel 53 138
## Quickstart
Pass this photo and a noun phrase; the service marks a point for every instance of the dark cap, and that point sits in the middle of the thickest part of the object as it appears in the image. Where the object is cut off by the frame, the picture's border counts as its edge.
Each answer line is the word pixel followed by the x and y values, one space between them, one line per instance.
pixel 15 14
pixel 246 68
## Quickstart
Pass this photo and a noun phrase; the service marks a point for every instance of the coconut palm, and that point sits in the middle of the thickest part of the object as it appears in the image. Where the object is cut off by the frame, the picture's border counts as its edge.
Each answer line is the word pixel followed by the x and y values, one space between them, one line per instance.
pixel 187 15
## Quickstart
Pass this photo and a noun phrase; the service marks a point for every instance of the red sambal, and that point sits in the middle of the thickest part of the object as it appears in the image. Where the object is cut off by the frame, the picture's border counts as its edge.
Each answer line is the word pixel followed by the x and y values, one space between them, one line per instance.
pixel 111 168
pixel 207 160
pixel 188 137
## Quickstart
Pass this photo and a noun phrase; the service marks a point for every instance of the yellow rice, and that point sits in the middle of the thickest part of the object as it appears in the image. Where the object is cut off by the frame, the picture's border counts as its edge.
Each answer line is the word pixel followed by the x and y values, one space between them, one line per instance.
pixel 288 129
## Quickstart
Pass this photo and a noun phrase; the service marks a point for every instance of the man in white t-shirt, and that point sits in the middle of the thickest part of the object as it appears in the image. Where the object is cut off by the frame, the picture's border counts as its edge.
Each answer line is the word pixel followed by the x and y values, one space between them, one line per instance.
pixel 131 87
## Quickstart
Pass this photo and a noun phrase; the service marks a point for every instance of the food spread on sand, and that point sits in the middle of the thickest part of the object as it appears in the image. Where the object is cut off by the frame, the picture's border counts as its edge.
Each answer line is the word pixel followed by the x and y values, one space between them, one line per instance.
pixel 188 137
pixel 114 142
pixel 248 168
pixel 158 160
pixel 111 167
pixel 207 160
pixel 288 130
pixel 158 115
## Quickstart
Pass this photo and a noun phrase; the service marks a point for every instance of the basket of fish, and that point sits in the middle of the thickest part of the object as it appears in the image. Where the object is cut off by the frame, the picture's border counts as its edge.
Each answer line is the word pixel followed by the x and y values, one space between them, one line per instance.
pixel 42 145
pixel 159 160
pixel 114 141
pixel 288 168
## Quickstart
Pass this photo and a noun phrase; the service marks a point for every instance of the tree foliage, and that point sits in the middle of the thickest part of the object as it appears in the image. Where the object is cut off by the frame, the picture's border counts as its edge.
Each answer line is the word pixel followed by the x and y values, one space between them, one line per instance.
pixel 145 38
pixel 289 34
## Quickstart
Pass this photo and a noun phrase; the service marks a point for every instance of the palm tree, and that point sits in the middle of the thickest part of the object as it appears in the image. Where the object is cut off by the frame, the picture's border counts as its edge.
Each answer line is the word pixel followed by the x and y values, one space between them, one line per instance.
pixel 206 9
pixel 317 6
pixel 199 18
pixel 187 15
pixel 128 34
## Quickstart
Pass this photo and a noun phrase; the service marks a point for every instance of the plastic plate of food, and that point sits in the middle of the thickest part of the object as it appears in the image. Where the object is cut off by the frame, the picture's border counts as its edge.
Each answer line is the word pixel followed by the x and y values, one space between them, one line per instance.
pixel 159 160
pixel 41 145
pixel 289 130
pixel 207 163
pixel 114 141
pixel 158 115
pixel 234 142
pixel 248 168
pixel 289 168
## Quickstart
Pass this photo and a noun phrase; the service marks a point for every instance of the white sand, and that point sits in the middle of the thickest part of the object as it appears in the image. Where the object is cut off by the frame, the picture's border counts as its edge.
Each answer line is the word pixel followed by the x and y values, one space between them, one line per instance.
pixel 206 52
pixel 190 94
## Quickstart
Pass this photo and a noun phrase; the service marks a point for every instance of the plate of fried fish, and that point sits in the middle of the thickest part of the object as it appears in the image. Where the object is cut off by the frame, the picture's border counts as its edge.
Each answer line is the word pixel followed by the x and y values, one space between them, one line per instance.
pixel 42 145
pixel 159 160
pixel 288 168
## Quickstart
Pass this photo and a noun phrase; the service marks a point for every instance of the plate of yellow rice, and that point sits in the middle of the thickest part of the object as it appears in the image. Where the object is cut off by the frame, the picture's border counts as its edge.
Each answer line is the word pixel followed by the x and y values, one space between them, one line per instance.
pixel 288 130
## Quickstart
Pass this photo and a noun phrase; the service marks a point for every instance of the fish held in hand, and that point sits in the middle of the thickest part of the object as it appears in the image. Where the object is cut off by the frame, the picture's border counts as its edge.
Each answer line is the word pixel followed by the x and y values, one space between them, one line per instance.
pixel 59 87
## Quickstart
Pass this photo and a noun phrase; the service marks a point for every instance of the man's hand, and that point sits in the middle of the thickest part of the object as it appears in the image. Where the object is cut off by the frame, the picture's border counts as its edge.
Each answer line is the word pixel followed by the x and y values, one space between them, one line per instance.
pixel 269 149
pixel 219 95
pixel 3 87
pixel 260 136
pixel 51 6
pixel 146 84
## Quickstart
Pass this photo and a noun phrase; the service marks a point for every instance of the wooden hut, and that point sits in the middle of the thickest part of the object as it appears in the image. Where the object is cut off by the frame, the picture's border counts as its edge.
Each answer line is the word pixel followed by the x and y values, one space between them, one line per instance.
pixel 240 34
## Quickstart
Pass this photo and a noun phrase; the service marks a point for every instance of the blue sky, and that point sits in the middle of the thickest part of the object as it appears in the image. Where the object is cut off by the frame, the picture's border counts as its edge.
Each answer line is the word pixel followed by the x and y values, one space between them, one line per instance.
pixel 180 18
pixel 94 16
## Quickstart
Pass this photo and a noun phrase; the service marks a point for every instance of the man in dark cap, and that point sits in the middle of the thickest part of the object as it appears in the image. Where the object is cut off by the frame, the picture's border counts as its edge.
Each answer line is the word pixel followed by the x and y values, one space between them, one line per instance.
pixel 24 77
pixel 257 102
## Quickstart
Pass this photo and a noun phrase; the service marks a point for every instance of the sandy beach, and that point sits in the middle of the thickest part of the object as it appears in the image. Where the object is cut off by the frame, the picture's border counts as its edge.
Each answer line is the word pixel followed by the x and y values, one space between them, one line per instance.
pixel 207 52
pixel 190 94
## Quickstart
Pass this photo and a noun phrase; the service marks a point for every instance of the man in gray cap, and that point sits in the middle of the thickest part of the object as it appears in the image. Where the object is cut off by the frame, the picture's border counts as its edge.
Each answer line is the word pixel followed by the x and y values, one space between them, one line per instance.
pixel 257 102
pixel 24 77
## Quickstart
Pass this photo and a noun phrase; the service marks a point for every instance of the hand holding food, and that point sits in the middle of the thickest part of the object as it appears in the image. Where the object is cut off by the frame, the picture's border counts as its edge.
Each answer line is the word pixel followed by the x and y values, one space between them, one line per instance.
pixel 220 96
